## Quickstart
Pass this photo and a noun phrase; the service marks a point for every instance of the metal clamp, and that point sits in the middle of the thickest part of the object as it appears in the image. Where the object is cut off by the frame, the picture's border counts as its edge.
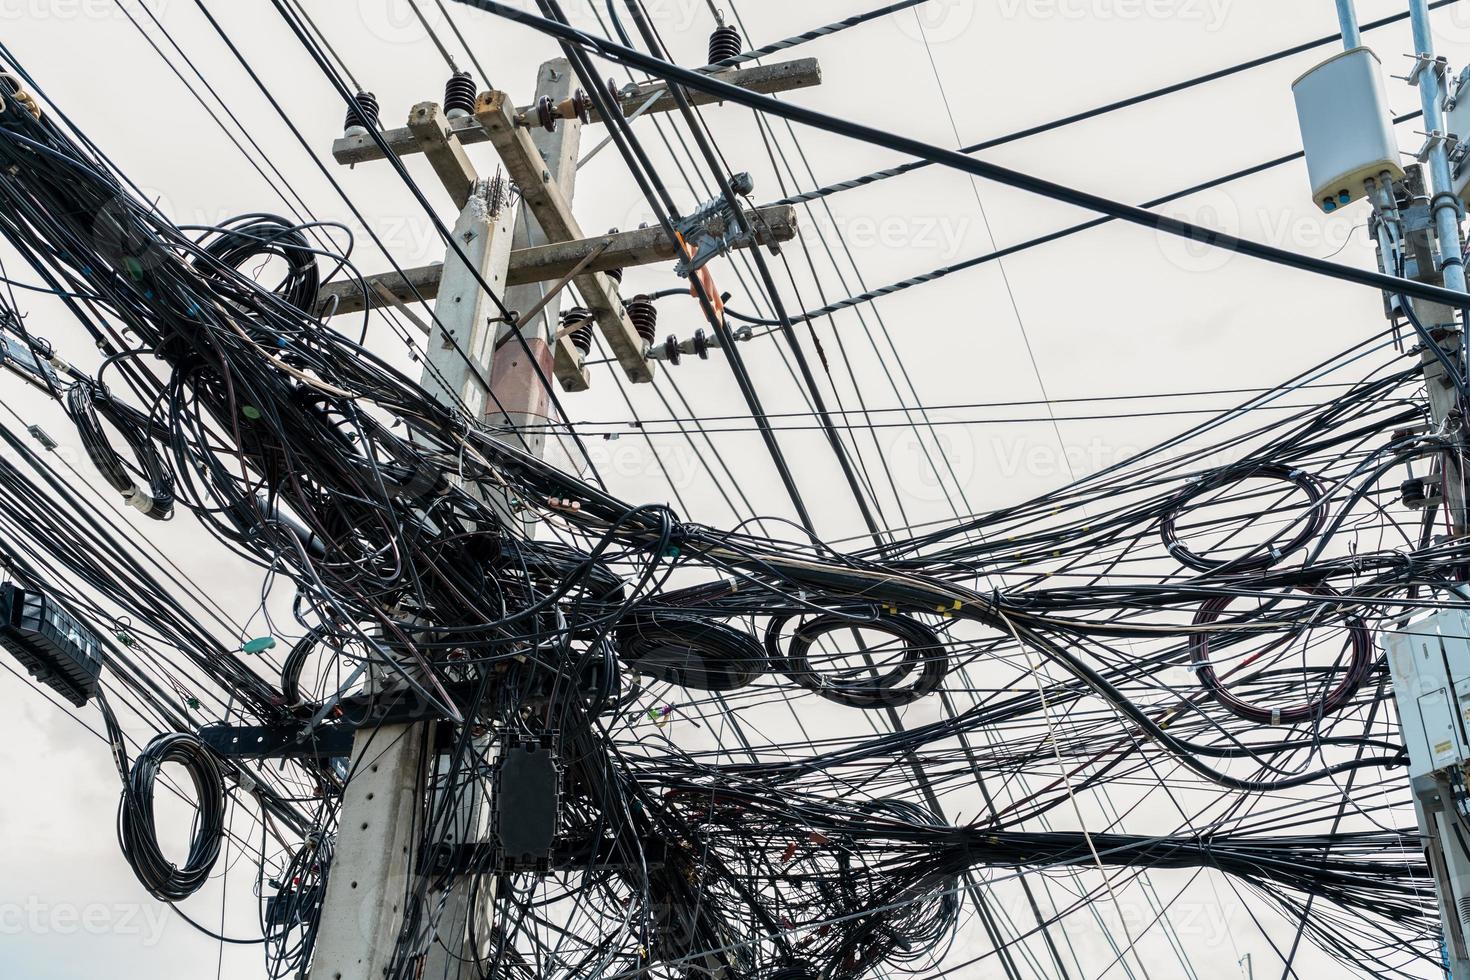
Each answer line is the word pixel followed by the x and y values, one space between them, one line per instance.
pixel 1423 60
pixel 1432 140
pixel 713 229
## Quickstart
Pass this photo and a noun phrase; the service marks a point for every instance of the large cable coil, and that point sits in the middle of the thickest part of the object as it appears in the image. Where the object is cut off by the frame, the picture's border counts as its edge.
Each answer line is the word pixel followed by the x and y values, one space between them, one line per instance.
pixel 138 833
pixel 920 668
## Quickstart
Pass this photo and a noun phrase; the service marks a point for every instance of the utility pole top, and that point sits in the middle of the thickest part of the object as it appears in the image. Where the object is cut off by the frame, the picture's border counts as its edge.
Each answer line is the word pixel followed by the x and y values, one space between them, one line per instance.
pixel 527 248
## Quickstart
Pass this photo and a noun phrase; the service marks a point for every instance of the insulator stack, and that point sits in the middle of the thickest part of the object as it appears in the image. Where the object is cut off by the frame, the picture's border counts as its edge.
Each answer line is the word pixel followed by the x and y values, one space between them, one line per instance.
pixel 581 337
pixel 644 317
pixel 363 115
pixel 459 95
pixel 724 45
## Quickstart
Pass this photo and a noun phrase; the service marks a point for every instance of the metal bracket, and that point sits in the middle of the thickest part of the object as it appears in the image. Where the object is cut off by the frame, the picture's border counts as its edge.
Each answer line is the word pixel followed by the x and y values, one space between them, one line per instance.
pixel 278 742
pixel 331 739
pixel 458 860
pixel 1433 139
pixel 1422 61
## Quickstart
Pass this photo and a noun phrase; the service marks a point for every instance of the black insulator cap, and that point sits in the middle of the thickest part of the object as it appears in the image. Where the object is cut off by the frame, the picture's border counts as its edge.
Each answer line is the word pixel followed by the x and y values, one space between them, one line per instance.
pixel 724 45
pixel 644 317
pixel 363 111
pixel 459 94
pixel 581 337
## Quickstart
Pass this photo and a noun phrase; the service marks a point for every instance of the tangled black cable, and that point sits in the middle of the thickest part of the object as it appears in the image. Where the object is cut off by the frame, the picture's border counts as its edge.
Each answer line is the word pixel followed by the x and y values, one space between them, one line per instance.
pixel 137 834
pixel 255 238
pixel 317 459
pixel 84 403
pixel 295 661
pixel 290 918
pixel 921 664
pixel 699 654
pixel 1264 555
pixel 1360 662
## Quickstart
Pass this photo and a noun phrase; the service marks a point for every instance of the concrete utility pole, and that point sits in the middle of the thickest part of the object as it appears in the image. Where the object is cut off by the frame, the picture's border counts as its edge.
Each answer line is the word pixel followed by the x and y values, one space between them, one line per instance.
pixel 525 400
pixel 468 347
pixel 522 402
pixel 383 805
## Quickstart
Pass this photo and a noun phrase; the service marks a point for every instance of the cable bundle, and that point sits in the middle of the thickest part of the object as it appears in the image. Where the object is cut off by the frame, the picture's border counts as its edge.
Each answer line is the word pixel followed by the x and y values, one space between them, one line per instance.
pixel 137 834
pixel 1047 651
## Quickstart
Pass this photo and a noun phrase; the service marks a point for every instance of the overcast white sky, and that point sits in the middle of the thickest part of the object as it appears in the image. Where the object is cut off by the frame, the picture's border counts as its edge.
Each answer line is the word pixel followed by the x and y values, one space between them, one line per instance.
pixel 1111 311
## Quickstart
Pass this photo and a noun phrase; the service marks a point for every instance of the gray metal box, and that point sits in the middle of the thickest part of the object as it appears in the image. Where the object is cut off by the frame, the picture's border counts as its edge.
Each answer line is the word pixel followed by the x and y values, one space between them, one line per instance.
pixel 1430 664
pixel 1457 126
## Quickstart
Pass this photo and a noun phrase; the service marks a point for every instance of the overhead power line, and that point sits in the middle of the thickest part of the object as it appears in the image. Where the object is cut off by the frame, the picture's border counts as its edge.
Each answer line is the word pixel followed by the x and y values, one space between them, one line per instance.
pixel 958 161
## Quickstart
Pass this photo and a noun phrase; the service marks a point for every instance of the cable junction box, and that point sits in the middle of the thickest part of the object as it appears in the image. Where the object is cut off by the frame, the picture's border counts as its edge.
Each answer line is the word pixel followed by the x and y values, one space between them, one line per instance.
pixel 526 804
pixel 1429 661
pixel 57 650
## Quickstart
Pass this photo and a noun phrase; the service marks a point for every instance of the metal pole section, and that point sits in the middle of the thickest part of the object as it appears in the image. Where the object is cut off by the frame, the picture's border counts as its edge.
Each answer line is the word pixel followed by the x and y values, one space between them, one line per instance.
pixel 1438 822
pixel 1442 321
pixel 383 807
pixel 1431 96
pixel 1348 18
